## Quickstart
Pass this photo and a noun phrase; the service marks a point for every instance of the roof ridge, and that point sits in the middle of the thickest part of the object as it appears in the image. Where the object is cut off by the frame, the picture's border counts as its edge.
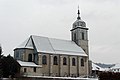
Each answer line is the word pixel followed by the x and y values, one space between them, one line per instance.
pixel 27 42
pixel 68 51
pixel 52 38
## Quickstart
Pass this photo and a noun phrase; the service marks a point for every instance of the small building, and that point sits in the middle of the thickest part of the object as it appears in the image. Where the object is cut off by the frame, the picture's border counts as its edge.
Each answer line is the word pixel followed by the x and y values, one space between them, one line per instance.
pixel 116 68
pixel 96 69
pixel 43 56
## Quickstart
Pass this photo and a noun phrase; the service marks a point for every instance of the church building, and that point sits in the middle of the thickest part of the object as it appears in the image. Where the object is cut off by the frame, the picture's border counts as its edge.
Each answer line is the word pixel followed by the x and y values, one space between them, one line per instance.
pixel 43 56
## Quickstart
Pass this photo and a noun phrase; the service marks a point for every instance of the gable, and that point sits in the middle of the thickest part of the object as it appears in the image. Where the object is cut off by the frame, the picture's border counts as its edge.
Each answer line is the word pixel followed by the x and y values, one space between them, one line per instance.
pixel 26 44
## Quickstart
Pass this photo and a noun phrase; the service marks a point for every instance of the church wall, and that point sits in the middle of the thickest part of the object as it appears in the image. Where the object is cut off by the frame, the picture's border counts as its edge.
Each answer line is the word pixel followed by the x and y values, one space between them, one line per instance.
pixel 30 71
pixel 83 70
pixel 59 70
pixel 79 36
pixel 84 46
pixel 27 52
pixel 45 70
pixel 64 69
pixel 55 71
pixel 22 54
pixel 73 69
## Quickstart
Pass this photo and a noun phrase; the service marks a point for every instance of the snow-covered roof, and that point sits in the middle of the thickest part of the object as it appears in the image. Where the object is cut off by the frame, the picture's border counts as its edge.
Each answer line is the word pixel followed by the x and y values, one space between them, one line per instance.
pixel 78 23
pixel 26 44
pixel 117 66
pixel 78 20
pixel 26 64
pixel 96 67
pixel 54 46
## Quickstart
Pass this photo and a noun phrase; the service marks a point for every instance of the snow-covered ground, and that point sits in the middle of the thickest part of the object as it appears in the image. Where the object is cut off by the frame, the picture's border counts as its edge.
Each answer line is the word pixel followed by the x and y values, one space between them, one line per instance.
pixel 63 78
pixel 72 78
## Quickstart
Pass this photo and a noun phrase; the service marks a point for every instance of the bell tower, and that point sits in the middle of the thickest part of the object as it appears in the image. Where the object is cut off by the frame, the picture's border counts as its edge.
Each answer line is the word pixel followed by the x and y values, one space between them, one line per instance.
pixel 79 33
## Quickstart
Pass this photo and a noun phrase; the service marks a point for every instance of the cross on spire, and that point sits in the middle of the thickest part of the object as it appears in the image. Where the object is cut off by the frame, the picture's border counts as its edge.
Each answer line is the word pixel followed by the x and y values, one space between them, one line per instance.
pixel 78 13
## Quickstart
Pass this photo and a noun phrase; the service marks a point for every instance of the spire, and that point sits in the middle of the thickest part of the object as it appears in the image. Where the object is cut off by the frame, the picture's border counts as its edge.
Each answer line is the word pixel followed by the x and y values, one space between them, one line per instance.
pixel 78 13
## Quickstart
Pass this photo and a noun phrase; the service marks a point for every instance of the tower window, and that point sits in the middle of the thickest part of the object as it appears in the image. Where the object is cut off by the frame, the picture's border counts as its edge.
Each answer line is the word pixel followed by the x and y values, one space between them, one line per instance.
pixel 78 23
pixel 75 37
pixel 83 36
pixel 30 58
pixel 82 62
pixel 75 25
pixel 64 61
pixel 73 61
pixel 44 59
pixel 55 60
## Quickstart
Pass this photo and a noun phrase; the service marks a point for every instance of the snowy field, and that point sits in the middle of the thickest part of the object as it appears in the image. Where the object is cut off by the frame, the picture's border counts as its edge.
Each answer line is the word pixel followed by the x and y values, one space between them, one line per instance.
pixel 63 78
pixel 57 79
pixel 51 78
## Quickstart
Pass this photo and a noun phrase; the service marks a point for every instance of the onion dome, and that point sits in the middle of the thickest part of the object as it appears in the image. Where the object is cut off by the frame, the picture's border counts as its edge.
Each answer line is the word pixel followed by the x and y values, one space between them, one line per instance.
pixel 79 22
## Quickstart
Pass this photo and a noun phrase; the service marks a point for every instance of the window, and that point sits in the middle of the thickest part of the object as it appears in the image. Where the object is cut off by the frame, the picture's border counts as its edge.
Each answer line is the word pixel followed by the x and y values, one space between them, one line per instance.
pixel 83 35
pixel 75 36
pixel 30 58
pixel 75 25
pixel 25 70
pixel 17 54
pixel 44 59
pixel 55 61
pixel 118 70
pixel 82 62
pixel 34 69
pixel 81 24
pixel 78 23
pixel 64 61
pixel 73 62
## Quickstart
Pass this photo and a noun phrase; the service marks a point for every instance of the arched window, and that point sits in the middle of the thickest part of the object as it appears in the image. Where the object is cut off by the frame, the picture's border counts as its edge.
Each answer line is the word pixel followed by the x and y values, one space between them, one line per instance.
pixel 73 61
pixel 25 70
pixel 64 61
pixel 82 62
pixel 55 60
pixel 75 36
pixel 44 59
pixel 30 58
pixel 78 23
pixel 83 36
pixel 34 69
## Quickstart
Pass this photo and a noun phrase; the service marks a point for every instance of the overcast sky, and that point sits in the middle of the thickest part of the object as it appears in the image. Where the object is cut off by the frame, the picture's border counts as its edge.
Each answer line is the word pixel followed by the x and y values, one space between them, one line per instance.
pixel 53 18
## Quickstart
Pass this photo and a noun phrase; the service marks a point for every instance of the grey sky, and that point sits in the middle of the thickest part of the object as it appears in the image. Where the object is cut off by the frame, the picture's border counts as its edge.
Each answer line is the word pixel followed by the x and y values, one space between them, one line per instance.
pixel 53 18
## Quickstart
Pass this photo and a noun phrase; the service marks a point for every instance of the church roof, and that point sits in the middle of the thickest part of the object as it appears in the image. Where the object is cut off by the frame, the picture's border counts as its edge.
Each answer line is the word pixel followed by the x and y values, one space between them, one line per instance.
pixel 53 46
pixel 28 64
